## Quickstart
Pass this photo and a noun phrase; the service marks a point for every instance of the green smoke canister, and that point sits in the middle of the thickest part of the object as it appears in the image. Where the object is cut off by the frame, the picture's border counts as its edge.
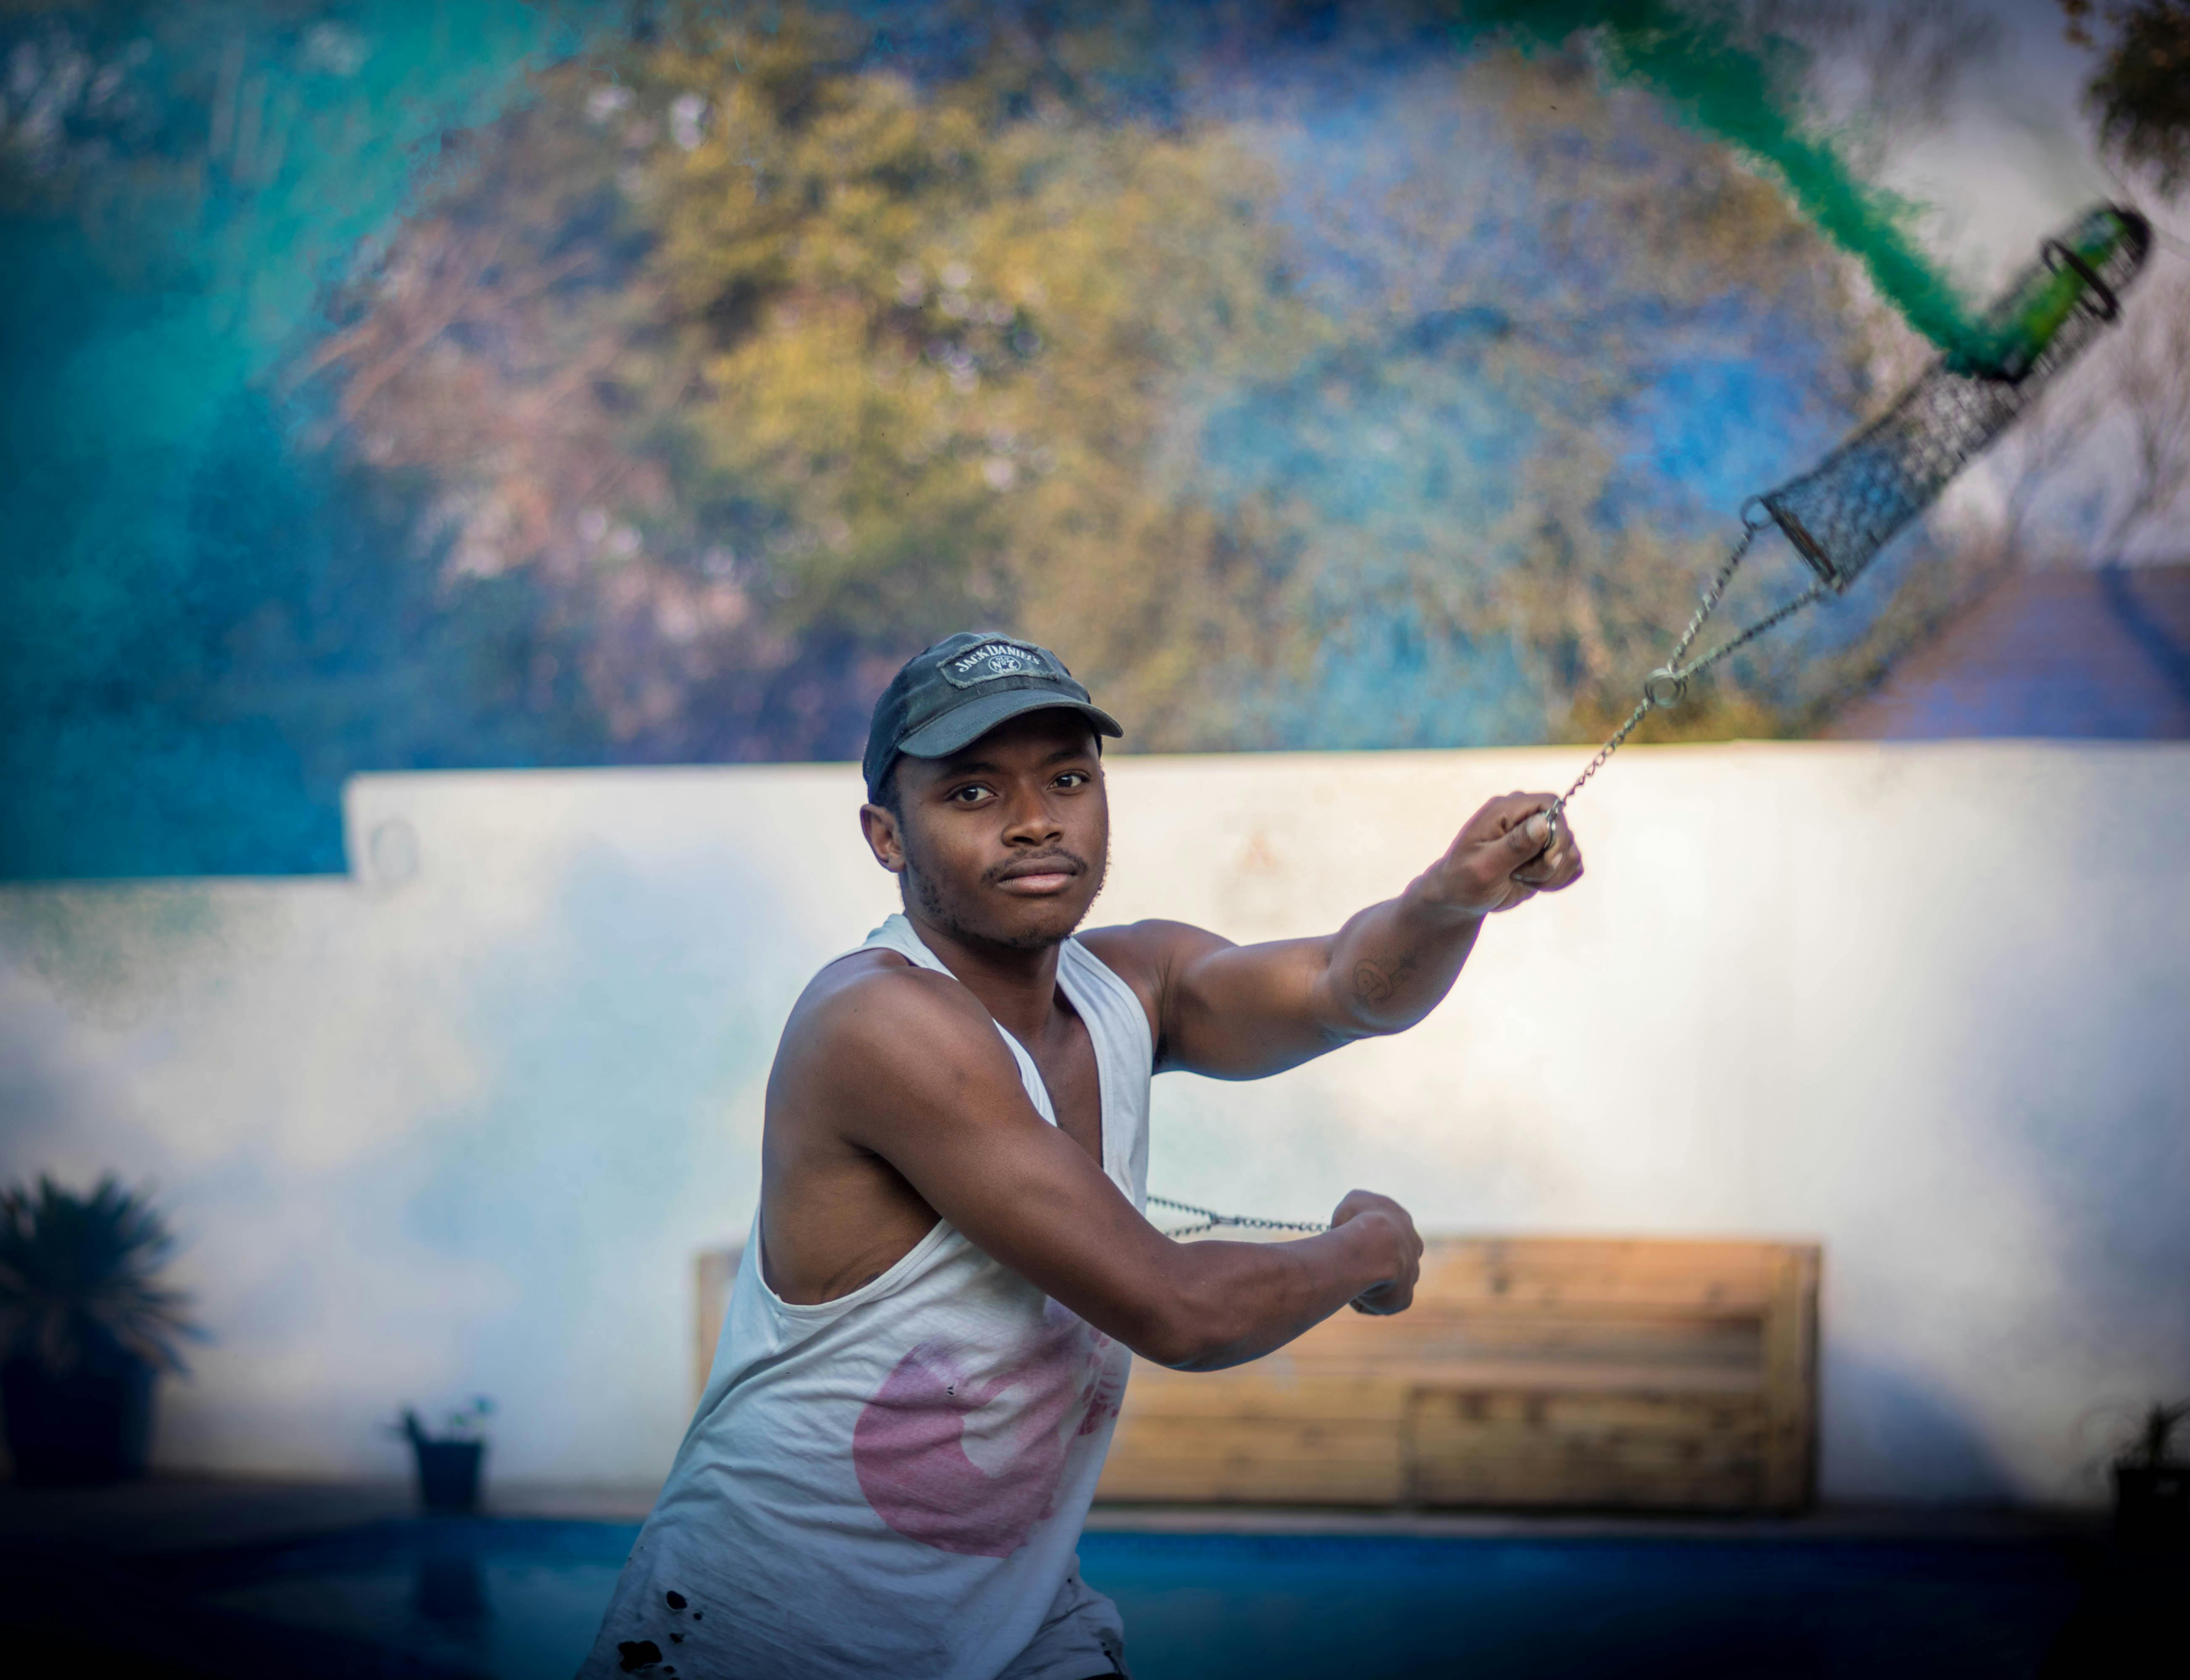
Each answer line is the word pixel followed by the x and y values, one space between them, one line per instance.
pixel 1859 498
pixel 2018 329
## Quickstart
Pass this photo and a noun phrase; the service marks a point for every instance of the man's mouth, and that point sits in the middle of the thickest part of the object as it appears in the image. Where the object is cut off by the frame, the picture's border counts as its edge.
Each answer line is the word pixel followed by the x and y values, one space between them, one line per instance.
pixel 1039 878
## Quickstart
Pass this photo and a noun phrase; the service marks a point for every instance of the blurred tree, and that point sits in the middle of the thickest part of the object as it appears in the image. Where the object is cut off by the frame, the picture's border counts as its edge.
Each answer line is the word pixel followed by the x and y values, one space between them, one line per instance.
pixel 2141 90
pixel 775 349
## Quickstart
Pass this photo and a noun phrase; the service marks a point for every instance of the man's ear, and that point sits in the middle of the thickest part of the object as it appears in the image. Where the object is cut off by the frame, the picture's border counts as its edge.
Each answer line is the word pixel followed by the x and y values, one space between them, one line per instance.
pixel 879 825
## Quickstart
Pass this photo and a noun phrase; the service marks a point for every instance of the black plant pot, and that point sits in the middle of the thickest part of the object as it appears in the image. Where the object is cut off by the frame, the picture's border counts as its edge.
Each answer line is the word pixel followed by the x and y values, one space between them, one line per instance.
pixel 2152 1504
pixel 449 1474
pixel 93 1423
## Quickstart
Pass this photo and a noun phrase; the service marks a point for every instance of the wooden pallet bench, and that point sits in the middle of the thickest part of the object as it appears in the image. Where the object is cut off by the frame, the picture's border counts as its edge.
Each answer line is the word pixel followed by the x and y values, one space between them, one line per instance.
pixel 1642 1374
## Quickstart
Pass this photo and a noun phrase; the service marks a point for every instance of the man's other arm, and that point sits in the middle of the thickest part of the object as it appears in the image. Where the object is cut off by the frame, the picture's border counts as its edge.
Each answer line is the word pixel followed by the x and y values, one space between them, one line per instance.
pixel 909 1067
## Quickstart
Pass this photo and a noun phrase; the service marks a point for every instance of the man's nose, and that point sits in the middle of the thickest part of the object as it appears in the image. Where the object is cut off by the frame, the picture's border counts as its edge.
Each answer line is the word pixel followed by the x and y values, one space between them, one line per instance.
pixel 1030 821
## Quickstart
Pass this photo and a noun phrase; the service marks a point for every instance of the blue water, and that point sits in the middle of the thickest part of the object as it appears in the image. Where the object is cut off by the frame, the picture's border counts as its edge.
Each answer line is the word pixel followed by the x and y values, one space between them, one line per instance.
pixel 518 1600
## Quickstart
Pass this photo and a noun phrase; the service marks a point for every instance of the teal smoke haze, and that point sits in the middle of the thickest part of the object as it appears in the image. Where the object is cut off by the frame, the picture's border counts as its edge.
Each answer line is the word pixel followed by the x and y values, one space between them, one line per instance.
pixel 203 629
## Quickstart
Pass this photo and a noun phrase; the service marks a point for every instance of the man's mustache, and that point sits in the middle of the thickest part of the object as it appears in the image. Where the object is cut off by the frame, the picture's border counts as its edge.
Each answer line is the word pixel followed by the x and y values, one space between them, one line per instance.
pixel 1042 863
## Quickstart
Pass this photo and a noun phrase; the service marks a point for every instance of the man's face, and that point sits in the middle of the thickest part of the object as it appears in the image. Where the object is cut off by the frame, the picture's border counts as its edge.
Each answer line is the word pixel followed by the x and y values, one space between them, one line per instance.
pixel 1004 843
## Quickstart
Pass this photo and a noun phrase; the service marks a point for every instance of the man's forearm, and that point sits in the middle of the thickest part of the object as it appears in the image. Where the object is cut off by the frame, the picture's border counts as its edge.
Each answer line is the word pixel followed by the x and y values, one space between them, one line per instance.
pixel 1234 1301
pixel 1245 1012
pixel 1393 963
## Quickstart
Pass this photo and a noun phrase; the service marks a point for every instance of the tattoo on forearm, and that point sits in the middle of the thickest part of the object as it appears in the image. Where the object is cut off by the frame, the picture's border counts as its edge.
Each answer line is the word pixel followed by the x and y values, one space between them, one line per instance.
pixel 1375 984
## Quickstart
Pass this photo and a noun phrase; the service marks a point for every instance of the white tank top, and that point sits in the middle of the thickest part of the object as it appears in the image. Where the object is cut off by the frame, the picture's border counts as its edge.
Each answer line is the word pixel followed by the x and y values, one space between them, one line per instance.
pixel 893 1483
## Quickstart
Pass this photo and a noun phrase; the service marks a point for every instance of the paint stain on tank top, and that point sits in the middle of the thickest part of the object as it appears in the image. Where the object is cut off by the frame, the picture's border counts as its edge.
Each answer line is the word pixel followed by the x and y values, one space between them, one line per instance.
pixel 970 1461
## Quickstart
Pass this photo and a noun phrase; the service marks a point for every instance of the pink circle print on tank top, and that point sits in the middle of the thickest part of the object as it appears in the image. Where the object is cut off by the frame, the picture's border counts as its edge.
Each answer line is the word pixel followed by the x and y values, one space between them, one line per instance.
pixel 970 1463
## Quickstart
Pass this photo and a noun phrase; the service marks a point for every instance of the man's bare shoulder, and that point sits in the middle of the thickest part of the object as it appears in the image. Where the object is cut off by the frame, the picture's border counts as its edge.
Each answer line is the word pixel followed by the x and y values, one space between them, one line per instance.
pixel 1147 955
pixel 874 1013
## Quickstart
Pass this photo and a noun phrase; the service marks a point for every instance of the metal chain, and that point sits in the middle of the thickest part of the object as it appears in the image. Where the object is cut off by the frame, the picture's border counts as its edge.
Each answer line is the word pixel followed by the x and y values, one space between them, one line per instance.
pixel 1603 753
pixel 1667 684
pixel 1210 1219
pixel 1816 592
pixel 1714 593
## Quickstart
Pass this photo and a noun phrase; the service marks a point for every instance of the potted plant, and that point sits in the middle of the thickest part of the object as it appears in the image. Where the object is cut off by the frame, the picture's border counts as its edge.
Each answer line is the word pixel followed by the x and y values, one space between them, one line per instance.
pixel 449 1463
pixel 2151 1487
pixel 85 1329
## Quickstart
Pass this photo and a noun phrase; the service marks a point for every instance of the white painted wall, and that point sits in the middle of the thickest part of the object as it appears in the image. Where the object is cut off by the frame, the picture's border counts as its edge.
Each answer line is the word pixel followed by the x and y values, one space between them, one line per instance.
pixel 460 1124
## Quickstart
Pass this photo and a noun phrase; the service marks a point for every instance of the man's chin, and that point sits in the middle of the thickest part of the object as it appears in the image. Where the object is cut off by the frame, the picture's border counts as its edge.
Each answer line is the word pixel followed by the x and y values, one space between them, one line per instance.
pixel 1014 921
pixel 1034 923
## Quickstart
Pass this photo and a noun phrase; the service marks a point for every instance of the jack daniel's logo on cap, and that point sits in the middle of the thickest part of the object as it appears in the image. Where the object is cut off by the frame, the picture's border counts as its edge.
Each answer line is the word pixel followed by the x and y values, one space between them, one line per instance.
pixel 996 659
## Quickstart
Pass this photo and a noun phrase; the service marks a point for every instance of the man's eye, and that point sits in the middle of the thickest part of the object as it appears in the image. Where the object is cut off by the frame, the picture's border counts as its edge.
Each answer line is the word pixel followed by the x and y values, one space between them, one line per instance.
pixel 1073 779
pixel 969 796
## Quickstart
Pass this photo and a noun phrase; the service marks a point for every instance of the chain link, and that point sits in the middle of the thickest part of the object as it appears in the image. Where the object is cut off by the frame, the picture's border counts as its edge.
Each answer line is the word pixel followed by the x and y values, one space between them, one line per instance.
pixel 1671 679
pixel 1816 592
pixel 1714 593
pixel 1603 753
pixel 1210 1219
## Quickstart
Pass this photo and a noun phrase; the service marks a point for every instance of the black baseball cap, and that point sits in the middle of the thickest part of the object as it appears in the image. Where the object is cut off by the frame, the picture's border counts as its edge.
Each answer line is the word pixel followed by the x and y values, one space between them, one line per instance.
pixel 948 695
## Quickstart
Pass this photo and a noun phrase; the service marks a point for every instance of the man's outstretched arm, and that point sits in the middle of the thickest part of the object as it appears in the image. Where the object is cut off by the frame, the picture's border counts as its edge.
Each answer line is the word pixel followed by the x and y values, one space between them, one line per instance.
pixel 1242 1011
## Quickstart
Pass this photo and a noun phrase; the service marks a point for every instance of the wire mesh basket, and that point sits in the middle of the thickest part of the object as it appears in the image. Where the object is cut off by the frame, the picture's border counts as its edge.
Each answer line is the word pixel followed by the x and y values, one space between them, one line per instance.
pixel 1839 514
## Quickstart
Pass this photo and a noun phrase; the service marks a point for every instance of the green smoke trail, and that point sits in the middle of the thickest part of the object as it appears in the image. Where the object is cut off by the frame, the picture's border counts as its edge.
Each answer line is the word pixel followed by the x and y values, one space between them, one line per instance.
pixel 1688 59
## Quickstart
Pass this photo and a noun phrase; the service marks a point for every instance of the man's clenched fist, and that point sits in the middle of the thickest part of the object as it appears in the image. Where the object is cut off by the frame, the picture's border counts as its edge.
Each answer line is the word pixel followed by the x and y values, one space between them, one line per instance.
pixel 1505 854
pixel 1401 1247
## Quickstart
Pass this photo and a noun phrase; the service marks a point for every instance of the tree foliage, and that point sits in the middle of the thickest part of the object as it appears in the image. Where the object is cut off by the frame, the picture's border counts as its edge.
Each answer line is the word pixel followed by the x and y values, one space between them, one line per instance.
pixel 2141 90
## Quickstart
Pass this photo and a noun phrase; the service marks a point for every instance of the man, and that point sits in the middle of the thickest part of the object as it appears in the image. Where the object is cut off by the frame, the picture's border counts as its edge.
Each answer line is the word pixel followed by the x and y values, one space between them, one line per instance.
pixel 927 1343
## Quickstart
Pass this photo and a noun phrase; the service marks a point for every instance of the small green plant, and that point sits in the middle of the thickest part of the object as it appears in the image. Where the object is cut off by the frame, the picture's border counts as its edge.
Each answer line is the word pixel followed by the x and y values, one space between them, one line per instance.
pixel 79 1278
pixel 466 1423
pixel 2149 1446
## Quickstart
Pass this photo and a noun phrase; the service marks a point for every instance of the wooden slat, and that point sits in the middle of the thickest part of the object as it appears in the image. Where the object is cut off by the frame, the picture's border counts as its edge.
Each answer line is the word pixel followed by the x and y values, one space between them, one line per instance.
pixel 1335 1439
pixel 1281 1461
pixel 1250 1393
pixel 1436 1330
pixel 1597 1329
pixel 1568 1413
pixel 1525 1486
pixel 1554 1271
pixel 1537 1449
pixel 1213 1394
